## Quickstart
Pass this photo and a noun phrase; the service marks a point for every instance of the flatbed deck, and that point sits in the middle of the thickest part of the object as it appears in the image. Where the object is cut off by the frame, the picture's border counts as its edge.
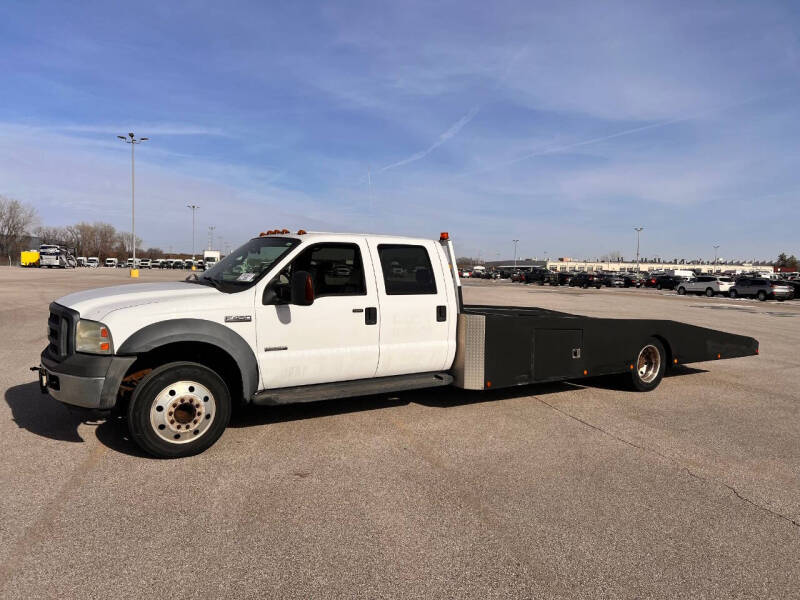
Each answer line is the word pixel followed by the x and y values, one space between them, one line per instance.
pixel 504 346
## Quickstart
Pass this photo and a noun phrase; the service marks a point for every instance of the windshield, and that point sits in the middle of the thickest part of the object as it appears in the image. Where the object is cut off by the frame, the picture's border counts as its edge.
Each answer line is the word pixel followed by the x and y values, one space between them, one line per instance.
pixel 243 267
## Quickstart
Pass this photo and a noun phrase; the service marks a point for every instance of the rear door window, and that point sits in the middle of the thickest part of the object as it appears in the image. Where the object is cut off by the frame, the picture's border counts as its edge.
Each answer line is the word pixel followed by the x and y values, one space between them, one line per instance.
pixel 406 269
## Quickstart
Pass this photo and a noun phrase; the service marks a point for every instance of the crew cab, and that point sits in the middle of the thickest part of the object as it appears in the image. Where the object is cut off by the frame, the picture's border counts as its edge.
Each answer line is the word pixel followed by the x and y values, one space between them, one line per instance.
pixel 309 316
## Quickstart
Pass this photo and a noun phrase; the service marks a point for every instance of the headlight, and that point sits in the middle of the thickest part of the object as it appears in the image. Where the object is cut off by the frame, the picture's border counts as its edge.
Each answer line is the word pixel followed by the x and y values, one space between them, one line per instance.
pixel 93 337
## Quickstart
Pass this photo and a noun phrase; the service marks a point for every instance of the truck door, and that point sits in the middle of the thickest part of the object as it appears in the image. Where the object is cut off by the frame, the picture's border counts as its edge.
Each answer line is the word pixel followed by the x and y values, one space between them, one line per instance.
pixel 413 307
pixel 334 339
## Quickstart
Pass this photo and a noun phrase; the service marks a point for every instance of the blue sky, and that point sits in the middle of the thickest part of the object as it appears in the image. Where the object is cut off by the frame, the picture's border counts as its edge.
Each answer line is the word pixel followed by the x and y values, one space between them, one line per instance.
pixel 561 124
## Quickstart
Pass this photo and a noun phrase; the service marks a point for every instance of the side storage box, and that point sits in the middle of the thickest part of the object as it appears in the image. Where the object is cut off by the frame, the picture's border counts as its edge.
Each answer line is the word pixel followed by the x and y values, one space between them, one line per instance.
pixel 493 351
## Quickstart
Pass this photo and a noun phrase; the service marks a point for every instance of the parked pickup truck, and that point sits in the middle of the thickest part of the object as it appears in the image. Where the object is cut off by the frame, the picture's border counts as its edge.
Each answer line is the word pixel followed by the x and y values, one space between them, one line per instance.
pixel 310 316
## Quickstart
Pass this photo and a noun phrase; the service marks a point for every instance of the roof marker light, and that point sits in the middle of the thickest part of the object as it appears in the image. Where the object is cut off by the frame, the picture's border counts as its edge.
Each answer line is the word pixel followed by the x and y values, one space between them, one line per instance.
pixel 444 236
pixel 301 232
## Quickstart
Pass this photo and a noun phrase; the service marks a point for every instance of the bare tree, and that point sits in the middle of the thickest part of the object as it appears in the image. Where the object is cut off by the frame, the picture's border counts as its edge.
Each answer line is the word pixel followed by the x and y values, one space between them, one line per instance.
pixel 16 218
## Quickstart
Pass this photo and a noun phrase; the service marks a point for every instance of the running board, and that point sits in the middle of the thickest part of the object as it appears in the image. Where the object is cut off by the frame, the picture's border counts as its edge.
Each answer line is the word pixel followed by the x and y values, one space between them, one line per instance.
pixel 346 389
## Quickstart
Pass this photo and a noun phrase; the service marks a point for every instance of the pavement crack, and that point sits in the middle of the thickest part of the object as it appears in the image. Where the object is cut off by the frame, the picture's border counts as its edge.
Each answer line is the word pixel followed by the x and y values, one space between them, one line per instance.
pixel 671 459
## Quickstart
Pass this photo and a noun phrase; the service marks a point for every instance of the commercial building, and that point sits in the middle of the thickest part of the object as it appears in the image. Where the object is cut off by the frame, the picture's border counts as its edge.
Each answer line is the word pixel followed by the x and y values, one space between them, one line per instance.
pixel 572 265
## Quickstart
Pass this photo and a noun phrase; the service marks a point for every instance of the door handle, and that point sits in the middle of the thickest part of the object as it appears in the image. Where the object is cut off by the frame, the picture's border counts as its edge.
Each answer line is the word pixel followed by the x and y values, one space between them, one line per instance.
pixel 371 315
pixel 441 313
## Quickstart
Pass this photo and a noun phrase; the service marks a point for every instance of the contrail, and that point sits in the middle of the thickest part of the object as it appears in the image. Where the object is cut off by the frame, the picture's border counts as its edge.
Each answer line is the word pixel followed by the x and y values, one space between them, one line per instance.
pixel 451 132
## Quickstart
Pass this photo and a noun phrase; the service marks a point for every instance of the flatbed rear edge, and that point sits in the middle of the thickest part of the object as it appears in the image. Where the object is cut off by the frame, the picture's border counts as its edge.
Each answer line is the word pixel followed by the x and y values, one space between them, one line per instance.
pixel 505 346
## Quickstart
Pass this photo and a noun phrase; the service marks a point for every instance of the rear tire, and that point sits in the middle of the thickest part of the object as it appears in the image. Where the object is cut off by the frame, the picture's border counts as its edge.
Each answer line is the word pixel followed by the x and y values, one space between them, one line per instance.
pixel 681 291
pixel 733 293
pixel 649 366
pixel 179 409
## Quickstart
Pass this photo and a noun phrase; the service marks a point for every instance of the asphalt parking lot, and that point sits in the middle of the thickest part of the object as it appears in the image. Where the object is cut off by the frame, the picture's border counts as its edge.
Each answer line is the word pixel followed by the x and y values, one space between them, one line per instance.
pixel 559 490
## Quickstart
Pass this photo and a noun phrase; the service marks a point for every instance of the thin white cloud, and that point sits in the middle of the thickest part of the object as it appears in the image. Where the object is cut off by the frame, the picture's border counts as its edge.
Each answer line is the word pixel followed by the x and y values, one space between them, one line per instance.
pixel 451 132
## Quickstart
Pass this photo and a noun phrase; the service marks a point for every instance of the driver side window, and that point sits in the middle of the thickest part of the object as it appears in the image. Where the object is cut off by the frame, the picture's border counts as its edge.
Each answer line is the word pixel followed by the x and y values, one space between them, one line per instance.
pixel 336 270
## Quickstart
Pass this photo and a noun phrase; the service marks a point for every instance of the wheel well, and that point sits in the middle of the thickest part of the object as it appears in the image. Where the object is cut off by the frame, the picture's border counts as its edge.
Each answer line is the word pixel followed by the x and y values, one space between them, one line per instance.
pixel 209 355
pixel 667 349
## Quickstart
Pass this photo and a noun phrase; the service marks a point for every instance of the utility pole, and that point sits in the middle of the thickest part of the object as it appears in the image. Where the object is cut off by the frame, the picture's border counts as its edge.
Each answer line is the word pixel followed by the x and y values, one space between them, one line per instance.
pixel 194 207
pixel 133 140
pixel 515 252
pixel 638 231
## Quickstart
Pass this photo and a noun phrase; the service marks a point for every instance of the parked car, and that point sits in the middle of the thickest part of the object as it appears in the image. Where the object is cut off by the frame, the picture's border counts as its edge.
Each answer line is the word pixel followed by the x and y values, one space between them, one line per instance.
pixel 585 280
pixel 632 279
pixel 761 288
pixel 177 263
pixel 93 262
pixel 651 280
pixel 146 263
pixel 561 278
pixel 518 276
pixel 710 285
pixel 611 279
pixel 669 282
pixel 540 276
pixel 795 285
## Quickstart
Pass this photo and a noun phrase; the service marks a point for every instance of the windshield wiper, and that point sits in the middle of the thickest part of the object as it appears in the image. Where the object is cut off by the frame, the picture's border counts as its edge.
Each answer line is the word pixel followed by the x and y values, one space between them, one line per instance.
pixel 202 280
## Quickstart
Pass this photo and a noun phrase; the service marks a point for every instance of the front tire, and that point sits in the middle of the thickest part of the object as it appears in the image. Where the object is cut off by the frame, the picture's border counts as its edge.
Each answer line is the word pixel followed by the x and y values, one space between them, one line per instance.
pixel 659 286
pixel 709 292
pixel 762 295
pixel 649 366
pixel 733 293
pixel 179 409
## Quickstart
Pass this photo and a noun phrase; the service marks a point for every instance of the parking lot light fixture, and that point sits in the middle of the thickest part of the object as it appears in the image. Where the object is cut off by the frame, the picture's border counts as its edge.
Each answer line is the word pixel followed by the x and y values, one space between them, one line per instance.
pixel 133 140
pixel 515 252
pixel 194 207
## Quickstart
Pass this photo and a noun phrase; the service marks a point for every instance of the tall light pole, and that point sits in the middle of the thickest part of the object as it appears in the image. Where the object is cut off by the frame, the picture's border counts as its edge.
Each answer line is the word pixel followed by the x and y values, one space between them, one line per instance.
pixel 194 207
pixel 515 252
pixel 716 247
pixel 638 231
pixel 133 140
pixel 211 229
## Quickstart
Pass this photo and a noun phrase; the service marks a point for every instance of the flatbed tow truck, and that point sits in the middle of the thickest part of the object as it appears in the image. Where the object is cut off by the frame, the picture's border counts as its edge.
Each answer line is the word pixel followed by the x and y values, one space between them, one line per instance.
pixel 315 316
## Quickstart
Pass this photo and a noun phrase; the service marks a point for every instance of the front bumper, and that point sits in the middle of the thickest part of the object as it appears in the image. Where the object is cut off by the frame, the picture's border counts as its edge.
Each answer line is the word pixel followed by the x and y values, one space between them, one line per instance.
pixel 83 379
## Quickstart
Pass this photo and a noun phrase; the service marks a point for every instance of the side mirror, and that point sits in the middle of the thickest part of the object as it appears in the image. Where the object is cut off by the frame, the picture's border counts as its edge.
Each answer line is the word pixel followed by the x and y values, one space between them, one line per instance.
pixel 302 289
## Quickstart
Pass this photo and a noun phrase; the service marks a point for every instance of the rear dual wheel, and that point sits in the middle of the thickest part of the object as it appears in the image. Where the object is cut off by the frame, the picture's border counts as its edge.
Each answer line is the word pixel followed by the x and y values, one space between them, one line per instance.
pixel 179 409
pixel 648 369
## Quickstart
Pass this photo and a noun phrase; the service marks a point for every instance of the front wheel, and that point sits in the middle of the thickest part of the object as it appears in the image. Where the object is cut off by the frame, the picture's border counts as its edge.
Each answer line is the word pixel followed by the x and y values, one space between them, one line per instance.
pixel 709 292
pixel 762 295
pixel 658 286
pixel 733 293
pixel 179 409
pixel 648 369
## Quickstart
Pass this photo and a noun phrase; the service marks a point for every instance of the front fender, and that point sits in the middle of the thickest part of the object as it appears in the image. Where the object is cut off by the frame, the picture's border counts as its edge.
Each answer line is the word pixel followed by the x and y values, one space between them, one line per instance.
pixel 197 330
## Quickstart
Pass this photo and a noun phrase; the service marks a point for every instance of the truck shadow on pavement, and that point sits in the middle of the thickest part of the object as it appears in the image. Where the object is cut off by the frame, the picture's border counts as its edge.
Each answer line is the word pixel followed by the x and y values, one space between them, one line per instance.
pixel 43 416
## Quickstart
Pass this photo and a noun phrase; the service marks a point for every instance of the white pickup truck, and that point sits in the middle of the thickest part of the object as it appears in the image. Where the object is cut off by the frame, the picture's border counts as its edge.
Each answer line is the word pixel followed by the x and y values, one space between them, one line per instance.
pixel 310 316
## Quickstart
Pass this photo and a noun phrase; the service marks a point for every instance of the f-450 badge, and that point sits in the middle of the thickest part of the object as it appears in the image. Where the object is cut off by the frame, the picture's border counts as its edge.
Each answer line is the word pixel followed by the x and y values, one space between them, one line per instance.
pixel 238 318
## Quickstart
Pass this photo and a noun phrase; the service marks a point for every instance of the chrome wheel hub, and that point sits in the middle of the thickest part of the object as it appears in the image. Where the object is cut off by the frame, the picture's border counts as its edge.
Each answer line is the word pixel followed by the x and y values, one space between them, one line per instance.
pixel 182 412
pixel 649 363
